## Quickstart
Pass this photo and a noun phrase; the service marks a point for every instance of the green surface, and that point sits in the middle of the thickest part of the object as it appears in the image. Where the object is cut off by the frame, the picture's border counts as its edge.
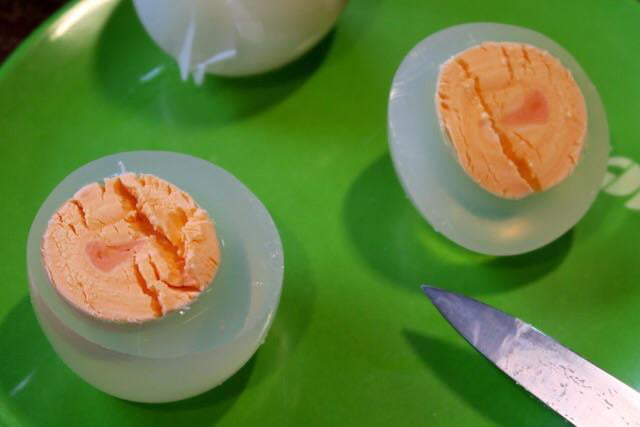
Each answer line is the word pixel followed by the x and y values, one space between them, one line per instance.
pixel 354 341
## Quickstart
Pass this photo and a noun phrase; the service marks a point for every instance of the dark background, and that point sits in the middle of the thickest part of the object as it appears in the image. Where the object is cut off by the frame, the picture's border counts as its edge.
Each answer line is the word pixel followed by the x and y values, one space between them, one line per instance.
pixel 19 17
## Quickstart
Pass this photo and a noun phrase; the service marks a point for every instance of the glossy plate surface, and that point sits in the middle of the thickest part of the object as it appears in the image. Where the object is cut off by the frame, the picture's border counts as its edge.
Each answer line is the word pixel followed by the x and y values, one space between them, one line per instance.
pixel 354 341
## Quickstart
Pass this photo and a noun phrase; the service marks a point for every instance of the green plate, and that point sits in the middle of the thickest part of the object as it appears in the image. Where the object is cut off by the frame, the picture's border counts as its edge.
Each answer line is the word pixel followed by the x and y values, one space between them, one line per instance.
pixel 354 342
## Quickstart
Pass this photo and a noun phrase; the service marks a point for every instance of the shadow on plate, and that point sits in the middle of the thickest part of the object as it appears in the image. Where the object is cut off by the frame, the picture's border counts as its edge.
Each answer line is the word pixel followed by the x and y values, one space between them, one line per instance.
pixel 41 390
pixel 135 73
pixel 394 240
pixel 480 384
pixel 354 24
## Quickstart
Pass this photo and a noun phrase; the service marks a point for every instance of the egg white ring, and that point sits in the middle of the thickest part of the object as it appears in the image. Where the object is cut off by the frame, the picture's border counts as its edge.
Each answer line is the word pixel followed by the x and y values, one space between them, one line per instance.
pixel 436 184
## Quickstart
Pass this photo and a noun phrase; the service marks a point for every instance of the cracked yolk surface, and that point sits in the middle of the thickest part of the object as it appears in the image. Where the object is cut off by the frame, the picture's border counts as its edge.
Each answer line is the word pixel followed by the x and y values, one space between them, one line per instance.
pixel 515 116
pixel 130 250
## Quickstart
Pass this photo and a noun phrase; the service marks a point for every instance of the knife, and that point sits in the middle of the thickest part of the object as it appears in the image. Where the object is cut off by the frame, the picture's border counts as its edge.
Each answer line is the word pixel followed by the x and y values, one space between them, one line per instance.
pixel 579 391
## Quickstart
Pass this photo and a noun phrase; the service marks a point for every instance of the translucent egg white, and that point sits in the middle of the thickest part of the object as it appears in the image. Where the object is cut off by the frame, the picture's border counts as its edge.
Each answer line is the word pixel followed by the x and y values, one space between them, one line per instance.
pixel 446 197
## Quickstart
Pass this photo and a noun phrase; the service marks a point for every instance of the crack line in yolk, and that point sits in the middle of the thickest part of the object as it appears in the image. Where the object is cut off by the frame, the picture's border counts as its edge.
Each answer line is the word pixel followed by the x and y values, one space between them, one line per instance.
pixel 131 250
pixel 515 117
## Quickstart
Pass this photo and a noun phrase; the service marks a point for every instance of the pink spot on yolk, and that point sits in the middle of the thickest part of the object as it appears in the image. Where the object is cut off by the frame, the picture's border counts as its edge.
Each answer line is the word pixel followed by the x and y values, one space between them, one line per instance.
pixel 105 257
pixel 533 111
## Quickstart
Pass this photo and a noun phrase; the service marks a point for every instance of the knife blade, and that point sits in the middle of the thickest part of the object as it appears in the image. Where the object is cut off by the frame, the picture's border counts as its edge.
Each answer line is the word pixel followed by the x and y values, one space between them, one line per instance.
pixel 579 391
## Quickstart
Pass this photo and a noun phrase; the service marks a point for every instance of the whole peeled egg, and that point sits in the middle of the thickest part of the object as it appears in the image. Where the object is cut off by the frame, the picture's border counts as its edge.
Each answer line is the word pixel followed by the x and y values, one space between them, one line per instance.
pixel 236 37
